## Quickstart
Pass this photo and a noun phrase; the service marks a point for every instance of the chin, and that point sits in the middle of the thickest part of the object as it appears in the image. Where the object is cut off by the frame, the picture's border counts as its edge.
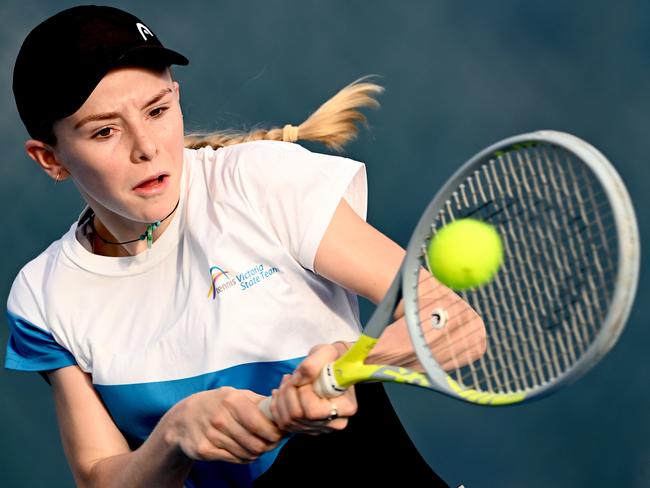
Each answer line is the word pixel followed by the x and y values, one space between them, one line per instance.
pixel 157 211
pixel 164 206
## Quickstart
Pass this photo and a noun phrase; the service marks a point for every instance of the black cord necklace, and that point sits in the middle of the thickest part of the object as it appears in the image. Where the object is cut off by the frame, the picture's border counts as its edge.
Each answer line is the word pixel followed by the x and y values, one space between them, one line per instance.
pixel 148 234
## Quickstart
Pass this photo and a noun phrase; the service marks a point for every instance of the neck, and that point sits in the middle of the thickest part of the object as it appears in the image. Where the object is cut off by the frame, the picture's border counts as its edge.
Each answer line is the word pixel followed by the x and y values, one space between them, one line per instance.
pixel 117 231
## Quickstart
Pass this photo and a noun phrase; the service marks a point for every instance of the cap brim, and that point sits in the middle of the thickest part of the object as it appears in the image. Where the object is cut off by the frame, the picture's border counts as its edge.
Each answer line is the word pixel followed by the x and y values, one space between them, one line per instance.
pixel 146 55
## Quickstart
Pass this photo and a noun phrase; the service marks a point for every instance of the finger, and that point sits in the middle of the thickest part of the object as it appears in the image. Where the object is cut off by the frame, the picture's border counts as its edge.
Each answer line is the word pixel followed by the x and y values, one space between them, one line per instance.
pixel 309 369
pixel 253 420
pixel 242 443
pixel 239 427
pixel 280 410
pixel 334 421
pixel 289 405
pixel 315 427
pixel 292 416
pixel 238 443
pixel 317 408
pixel 289 393
pixel 323 426
pixel 209 452
pixel 223 433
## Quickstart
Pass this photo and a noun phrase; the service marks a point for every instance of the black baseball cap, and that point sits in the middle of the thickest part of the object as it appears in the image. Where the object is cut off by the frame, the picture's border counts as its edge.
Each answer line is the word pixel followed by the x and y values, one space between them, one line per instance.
pixel 64 58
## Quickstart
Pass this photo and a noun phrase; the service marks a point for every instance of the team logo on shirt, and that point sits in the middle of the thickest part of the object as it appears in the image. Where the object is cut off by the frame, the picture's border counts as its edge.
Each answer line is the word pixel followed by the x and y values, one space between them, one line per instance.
pixel 222 280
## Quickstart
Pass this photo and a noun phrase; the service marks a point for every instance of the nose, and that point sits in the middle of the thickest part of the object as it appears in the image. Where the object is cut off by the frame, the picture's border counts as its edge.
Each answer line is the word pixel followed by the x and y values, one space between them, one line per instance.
pixel 145 147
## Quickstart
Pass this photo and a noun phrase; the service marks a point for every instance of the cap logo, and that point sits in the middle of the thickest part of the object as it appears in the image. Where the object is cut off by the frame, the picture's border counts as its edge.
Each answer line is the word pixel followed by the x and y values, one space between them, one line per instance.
pixel 144 30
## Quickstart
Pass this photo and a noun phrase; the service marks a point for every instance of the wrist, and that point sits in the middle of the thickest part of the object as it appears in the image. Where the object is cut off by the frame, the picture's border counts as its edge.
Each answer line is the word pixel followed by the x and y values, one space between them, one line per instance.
pixel 171 435
pixel 341 347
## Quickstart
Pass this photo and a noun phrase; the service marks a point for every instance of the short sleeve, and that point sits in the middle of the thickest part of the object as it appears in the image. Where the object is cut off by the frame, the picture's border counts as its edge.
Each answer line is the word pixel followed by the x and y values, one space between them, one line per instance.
pixel 297 192
pixel 30 346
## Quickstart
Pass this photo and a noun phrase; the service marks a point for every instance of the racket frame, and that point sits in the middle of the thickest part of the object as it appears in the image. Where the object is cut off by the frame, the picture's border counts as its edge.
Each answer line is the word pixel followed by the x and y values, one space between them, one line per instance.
pixel 350 367
pixel 624 287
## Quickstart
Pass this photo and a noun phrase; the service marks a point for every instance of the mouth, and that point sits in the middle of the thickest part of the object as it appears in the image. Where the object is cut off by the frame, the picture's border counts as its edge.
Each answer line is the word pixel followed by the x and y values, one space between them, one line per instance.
pixel 152 184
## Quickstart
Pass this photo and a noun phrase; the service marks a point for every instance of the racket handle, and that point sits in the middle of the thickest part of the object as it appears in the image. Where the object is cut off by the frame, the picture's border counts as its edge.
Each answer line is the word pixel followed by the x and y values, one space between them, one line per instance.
pixel 325 386
pixel 265 407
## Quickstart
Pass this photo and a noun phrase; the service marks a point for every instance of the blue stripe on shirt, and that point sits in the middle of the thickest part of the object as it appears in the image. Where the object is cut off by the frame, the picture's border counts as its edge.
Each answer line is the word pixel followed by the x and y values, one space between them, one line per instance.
pixel 30 348
pixel 137 408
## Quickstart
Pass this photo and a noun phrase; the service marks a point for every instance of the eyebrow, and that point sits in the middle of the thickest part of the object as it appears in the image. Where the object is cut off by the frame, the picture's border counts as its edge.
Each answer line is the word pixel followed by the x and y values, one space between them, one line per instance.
pixel 114 115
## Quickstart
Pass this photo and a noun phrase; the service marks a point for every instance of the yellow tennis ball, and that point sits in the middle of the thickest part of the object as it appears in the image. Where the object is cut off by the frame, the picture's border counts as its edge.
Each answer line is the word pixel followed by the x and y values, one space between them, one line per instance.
pixel 465 253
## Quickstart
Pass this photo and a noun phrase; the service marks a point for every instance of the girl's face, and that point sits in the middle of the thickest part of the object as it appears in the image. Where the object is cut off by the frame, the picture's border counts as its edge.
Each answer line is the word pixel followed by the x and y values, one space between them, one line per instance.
pixel 124 147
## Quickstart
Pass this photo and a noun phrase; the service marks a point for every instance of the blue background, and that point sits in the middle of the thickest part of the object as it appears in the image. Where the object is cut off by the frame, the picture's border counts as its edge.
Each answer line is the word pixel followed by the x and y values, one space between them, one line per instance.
pixel 459 76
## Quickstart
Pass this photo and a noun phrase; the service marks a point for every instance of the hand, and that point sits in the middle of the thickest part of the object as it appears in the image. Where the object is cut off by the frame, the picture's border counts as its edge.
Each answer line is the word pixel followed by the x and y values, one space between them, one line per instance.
pixel 296 407
pixel 461 341
pixel 222 425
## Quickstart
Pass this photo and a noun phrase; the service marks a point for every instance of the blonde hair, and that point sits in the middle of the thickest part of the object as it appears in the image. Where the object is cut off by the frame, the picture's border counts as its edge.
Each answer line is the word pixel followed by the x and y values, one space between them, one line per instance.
pixel 333 124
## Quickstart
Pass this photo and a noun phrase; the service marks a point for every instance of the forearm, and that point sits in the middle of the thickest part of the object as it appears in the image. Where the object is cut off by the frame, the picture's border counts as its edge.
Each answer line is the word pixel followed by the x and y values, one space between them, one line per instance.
pixel 157 462
pixel 460 341
pixel 394 346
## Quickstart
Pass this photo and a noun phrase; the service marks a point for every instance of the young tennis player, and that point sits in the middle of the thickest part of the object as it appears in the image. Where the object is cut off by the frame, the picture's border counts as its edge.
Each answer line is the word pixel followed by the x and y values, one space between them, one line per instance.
pixel 198 278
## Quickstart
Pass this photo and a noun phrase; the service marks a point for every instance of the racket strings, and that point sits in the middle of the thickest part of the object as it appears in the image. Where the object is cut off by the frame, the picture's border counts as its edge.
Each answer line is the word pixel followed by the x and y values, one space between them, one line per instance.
pixel 550 356
pixel 559 289
pixel 524 278
pixel 540 231
pixel 451 345
pixel 561 185
pixel 447 351
pixel 513 361
pixel 559 264
pixel 595 202
pixel 539 358
pixel 520 287
pixel 450 353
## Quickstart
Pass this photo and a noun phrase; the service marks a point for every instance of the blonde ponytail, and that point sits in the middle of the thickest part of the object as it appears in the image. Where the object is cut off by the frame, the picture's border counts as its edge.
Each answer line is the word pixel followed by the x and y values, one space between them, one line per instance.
pixel 333 124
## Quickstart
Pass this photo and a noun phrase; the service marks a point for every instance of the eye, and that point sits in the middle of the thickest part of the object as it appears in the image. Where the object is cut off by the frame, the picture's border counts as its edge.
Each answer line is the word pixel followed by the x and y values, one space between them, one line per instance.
pixel 158 111
pixel 103 133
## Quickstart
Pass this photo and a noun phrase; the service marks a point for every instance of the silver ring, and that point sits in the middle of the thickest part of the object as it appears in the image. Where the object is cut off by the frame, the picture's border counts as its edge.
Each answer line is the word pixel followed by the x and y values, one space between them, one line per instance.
pixel 334 412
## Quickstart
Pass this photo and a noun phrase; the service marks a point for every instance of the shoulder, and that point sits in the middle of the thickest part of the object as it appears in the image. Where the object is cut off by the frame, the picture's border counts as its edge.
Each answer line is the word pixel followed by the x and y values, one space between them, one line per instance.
pixel 260 149
pixel 261 173
pixel 33 344
pixel 26 296
pixel 260 159
pixel 257 168
pixel 238 164
pixel 278 166
pixel 246 152
pixel 264 156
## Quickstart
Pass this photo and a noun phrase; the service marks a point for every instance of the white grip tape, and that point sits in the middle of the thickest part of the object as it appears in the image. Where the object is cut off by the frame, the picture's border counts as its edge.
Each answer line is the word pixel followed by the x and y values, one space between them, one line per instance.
pixel 326 385
pixel 265 407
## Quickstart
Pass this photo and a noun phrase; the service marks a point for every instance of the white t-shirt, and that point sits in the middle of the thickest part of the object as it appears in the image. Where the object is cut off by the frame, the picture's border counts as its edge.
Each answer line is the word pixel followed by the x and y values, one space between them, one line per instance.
pixel 226 296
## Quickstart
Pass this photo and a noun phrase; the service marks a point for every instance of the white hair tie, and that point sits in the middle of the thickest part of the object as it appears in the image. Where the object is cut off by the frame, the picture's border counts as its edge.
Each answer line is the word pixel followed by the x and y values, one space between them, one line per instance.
pixel 290 133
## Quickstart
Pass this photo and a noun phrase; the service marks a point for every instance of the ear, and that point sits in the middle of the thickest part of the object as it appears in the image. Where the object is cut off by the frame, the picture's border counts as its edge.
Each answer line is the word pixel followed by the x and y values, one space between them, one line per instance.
pixel 45 157
pixel 177 93
pixel 177 90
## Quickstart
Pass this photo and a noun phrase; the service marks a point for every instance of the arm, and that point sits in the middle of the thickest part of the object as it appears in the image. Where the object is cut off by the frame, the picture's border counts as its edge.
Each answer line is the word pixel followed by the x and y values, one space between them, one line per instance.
pixel 358 257
pixel 96 450
pixel 223 424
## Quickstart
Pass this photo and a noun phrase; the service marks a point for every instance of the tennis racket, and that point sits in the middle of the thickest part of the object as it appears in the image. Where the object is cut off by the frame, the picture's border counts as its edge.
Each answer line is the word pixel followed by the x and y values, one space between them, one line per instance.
pixel 557 304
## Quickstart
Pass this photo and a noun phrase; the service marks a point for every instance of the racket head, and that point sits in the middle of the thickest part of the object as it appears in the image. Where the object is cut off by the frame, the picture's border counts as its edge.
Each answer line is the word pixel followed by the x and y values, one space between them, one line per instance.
pixel 570 270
